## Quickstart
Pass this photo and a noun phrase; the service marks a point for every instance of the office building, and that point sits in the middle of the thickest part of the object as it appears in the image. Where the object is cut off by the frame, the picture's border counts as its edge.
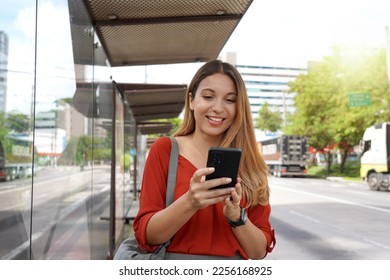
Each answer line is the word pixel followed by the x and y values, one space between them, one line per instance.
pixel 3 69
pixel 270 84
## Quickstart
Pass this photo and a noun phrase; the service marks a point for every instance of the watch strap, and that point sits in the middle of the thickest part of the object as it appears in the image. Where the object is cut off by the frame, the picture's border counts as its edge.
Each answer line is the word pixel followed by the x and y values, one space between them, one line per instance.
pixel 241 221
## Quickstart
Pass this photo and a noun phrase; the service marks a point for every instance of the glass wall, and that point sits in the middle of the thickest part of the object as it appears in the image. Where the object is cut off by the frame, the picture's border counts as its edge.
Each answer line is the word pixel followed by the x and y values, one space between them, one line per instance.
pixel 57 124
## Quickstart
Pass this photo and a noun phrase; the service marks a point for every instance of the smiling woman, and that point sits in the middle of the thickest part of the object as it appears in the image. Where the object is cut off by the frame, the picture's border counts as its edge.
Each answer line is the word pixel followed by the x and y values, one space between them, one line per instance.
pixel 215 104
pixel 222 223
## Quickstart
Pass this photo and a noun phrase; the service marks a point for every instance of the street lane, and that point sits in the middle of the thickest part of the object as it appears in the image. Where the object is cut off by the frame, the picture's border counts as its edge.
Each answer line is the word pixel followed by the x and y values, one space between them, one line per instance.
pixel 56 195
pixel 314 219
pixel 318 219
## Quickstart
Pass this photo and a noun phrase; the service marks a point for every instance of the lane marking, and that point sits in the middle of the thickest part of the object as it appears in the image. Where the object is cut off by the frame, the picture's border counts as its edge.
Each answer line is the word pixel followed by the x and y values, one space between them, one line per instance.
pixel 337 200
pixel 305 217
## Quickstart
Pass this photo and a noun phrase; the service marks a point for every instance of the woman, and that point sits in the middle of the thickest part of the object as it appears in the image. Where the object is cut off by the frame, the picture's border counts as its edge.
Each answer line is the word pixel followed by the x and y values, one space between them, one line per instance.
pixel 202 223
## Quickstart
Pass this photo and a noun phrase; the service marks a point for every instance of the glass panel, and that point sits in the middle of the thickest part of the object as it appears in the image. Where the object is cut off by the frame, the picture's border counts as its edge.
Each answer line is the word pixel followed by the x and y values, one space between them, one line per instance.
pixel 60 212
pixel 17 32
pixel 56 133
pixel 101 161
pixel 119 163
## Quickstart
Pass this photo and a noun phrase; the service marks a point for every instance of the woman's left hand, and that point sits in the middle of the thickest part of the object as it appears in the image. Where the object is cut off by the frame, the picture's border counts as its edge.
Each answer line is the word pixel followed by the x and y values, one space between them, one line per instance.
pixel 231 207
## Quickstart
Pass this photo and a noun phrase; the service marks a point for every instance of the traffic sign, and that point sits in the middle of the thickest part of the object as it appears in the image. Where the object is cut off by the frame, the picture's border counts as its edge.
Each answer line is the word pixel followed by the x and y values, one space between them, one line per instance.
pixel 359 99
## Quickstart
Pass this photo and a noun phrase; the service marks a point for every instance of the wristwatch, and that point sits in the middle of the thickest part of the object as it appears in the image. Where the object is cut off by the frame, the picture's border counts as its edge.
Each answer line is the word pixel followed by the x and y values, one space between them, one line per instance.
pixel 241 221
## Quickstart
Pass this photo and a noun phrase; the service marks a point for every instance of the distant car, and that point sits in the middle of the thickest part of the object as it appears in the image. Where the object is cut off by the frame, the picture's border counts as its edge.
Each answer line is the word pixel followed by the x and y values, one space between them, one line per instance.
pixel 7 174
pixel 28 172
pixel 3 175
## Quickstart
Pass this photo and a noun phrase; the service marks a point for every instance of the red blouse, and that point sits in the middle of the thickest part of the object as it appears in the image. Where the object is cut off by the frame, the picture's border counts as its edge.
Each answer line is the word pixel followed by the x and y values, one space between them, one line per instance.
pixel 207 232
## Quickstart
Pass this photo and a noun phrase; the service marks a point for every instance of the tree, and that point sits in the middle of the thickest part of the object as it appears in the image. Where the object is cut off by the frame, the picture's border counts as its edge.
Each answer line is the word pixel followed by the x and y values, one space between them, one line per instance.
pixel 268 120
pixel 365 73
pixel 314 107
pixel 77 151
pixel 3 129
pixel 17 122
pixel 322 110
pixel 176 122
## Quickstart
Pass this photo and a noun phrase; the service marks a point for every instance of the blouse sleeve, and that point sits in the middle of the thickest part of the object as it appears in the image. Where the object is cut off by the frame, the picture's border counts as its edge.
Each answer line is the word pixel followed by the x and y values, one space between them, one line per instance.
pixel 153 188
pixel 259 216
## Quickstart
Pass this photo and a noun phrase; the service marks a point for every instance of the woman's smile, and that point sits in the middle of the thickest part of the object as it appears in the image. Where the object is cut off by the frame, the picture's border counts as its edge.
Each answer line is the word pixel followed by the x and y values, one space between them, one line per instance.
pixel 215 121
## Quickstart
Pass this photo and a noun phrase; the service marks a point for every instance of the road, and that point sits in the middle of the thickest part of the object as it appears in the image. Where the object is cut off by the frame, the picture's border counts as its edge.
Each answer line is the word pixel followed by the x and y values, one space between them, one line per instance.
pixel 61 207
pixel 314 219
pixel 318 219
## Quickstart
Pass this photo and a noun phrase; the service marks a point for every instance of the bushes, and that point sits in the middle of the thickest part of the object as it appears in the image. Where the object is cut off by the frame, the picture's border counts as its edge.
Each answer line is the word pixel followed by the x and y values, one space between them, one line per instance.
pixel 351 170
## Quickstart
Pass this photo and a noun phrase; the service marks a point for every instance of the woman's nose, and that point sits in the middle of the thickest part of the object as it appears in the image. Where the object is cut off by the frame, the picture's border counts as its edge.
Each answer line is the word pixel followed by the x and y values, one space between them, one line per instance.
pixel 218 106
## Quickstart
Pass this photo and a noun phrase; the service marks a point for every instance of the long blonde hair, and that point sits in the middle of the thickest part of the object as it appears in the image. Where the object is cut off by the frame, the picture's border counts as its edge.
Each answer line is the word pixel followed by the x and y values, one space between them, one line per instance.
pixel 253 170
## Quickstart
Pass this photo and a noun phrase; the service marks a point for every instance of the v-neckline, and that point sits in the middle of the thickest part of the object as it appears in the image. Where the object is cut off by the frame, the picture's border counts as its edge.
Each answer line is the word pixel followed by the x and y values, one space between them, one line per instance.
pixel 186 159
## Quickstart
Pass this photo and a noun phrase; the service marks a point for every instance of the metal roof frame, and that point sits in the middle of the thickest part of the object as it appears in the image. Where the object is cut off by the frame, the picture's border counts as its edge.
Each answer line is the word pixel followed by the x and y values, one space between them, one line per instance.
pixel 139 32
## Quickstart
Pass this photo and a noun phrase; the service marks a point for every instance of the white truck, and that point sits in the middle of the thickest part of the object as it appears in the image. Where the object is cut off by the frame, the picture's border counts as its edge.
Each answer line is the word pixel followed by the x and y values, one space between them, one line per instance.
pixel 375 157
pixel 285 155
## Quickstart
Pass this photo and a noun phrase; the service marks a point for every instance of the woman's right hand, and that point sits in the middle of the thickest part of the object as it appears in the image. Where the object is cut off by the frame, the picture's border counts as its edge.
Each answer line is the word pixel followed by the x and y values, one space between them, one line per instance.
pixel 199 193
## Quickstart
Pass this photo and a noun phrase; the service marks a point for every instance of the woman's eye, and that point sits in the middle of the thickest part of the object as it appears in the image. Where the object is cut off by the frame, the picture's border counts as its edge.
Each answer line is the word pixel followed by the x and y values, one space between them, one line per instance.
pixel 231 100
pixel 207 97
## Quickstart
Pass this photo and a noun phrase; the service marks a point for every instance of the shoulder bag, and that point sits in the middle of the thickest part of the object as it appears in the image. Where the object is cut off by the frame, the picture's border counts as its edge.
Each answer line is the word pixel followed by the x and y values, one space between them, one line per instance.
pixel 129 249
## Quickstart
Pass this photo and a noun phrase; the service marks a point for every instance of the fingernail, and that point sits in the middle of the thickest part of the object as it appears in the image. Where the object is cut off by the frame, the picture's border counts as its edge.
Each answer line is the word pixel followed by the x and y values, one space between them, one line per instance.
pixel 228 180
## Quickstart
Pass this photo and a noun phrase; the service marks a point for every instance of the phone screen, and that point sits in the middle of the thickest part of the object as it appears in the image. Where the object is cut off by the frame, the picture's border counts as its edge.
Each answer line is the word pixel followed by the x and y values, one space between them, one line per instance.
pixel 226 162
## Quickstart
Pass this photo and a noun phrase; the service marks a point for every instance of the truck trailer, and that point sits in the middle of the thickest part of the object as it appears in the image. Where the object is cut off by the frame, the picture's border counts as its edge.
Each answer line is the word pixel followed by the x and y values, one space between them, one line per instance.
pixel 375 157
pixel 285 155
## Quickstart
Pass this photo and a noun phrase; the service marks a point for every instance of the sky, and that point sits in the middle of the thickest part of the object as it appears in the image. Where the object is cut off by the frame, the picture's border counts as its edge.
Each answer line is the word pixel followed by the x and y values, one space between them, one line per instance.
pixel 291 33
pixel 283 32
pixel 271 33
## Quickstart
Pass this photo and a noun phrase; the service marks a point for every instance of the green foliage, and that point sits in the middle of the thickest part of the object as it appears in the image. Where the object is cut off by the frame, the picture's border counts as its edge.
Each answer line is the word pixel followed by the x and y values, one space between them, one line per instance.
pixel 79 150
pixel 268 120
pixel 125 159
pixel 17 122
pixel 322 110
pixel 314 105
pixel 176 122
pixel 13 122
pixel 3 129
pixel 351 170
pixel 63 101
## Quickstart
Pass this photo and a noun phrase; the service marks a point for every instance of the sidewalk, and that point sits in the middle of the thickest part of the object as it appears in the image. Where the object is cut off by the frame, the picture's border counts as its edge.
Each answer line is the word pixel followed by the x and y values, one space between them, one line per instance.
pixel 341 179
pixel 336 179
pixel 132 211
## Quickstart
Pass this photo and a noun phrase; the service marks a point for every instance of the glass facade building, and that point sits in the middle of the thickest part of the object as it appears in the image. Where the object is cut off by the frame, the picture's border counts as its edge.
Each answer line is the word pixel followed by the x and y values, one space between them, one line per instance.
pixel 3 65
pixel 269 84
pixel 64 169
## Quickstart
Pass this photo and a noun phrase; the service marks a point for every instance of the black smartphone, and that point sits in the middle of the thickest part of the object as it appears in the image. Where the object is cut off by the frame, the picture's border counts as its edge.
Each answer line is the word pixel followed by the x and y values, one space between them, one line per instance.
pixel 226 162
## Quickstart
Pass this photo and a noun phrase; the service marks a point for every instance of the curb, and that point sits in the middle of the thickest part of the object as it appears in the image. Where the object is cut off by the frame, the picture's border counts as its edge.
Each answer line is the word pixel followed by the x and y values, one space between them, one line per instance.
pixel 336 179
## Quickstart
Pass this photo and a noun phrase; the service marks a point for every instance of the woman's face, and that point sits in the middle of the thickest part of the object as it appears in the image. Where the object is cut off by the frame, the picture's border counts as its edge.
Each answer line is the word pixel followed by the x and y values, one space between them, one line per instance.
pixel 214 105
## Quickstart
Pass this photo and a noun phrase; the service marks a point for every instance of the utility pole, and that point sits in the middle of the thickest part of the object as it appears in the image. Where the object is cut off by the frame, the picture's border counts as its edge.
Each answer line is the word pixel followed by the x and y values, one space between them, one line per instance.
pixel 284 110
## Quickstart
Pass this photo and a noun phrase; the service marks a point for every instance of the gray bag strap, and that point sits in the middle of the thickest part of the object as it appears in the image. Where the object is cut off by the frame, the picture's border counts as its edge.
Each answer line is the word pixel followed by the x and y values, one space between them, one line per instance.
pixel 173 160
pixel 129 248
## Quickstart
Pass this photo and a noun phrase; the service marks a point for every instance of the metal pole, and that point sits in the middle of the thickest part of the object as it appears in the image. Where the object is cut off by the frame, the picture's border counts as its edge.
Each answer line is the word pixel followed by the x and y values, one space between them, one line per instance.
pixel 135 164
pixel 112 224
pixel 387 42
pixel 284 110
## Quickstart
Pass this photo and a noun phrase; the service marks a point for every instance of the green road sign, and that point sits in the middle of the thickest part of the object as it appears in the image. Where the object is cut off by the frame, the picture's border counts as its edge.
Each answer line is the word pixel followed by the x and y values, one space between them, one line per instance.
pixel 359 99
